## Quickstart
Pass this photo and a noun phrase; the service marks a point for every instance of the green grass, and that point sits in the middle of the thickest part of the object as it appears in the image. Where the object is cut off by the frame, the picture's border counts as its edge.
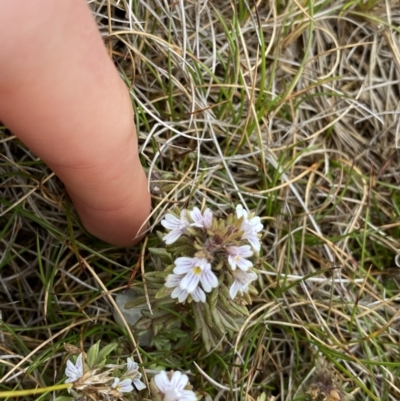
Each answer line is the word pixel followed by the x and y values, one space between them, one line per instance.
pixel 289 109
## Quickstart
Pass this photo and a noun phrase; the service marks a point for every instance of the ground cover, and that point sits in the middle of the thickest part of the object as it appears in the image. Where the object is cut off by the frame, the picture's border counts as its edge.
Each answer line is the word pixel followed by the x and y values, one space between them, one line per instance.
pixel 287 107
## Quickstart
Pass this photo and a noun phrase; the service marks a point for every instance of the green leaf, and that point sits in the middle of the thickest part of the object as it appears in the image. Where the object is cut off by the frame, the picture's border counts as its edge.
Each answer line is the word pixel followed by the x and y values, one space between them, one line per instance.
pixel 207 314
pixel 202 327
pixel 228 322
pixel 162 344
pixel 105 351
pixel 92 355
pixel 136 302
pixel 213 299
pixel 64 398
pixel 143 324
pixel 161 253
pixel 218 322
pixel 163 292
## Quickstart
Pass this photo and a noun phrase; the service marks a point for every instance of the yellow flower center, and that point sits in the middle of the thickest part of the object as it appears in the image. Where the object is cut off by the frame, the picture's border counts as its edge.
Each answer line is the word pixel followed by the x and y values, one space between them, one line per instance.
pixel 197 270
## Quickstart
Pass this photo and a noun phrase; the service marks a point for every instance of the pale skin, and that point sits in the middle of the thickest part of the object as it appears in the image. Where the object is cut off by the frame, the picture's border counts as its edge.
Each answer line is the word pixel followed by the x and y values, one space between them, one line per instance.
pixel 61 95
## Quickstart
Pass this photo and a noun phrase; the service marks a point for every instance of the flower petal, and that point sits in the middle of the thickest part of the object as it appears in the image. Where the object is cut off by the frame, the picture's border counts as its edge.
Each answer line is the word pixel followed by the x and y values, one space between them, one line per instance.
pixel 208 218
pixel 196 216
pixel 139 384
pixel 190 282
pixel 179 293
pixel 255 243
pixel 243 264
pixel 187 395
pixel 241 212
pixel 125 386
pixel 74 372
pixel 170 222
pixel 234 290
pixel 198 295
pixel 209 281
pixel 173 280
pixel 79 363
pixel 232 262
pixel 184 264
pixel 131 366
pixel 178 380
pixel 172 236
pixel 161 380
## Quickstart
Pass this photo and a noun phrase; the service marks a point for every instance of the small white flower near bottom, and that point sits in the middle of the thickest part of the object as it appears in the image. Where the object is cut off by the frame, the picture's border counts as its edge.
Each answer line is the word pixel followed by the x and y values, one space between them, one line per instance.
pixel 241 282
pixel 132 372
pixel 123 386
pixel 174 389
pixel 74 372
pixel 237 257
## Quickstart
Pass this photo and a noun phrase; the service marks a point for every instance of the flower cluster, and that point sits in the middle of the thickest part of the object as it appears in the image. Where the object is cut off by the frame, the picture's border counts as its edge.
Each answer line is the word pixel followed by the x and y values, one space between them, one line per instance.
pixel 214 245
pixel 91 381
pixel 171 386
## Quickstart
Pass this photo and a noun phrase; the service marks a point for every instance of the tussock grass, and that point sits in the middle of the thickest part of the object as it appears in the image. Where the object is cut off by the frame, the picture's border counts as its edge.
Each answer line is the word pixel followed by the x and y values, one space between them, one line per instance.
pixel 289 107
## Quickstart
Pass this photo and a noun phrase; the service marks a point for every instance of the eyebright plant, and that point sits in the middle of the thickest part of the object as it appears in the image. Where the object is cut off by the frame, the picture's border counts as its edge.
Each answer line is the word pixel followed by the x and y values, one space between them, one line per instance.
pixel 205 273
pixel 91 376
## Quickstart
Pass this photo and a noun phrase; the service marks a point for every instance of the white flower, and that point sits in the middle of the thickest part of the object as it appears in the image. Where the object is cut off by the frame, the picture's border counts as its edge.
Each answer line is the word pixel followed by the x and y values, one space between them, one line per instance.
pixel 195 270
pixel 198 294
pixel 177 226
pixel 174 389
pixel 131 367
pixel 201 220
pixel 74 372
pixel 250 227
pixel 241 282
pixel 132 371
pixel 174 280
pixel 124 386
pixel 237 255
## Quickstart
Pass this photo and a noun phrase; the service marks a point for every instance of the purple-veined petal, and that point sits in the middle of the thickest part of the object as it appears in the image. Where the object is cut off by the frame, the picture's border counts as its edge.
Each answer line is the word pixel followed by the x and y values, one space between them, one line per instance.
pixel 161 380
pixel 180 294
pixel 209 280
pixel 170 222
pixel 172 236
pixel 241 282
pixel 254 242
pixel 234 290
pixel 243 264
pixel 197 217
pixel 198 295
pixel 178 380
pixel 190 281
pixel 138 384
pixel 201 220
pixel 124 386
pixel 173 280
pixel 184 265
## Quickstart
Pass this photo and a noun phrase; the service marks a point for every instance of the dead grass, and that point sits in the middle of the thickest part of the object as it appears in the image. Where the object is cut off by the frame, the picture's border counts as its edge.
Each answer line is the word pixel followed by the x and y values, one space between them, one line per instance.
pixel 291 107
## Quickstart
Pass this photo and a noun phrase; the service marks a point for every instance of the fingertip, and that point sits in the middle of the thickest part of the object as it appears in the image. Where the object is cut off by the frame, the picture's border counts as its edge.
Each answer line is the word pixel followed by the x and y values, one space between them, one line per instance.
pixel 124 225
